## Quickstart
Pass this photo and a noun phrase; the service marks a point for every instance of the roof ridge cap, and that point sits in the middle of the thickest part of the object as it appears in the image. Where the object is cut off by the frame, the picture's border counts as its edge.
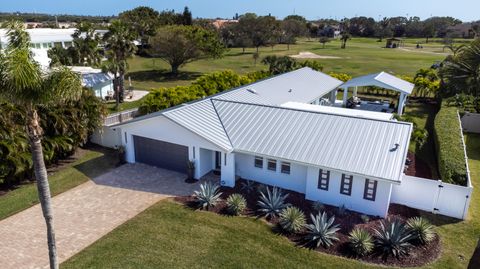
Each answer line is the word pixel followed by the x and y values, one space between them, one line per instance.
pixel 221 122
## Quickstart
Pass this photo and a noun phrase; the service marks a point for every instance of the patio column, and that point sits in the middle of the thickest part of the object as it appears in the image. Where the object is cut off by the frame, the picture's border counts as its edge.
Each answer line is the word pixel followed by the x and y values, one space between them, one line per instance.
pixel 345 96
pixel 401 103
pixel 355 90
pixel 227 169
pixel 333 96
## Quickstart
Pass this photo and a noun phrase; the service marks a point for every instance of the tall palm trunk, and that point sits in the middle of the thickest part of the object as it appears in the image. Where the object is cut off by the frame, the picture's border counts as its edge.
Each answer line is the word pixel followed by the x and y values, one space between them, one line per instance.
pixel 34 135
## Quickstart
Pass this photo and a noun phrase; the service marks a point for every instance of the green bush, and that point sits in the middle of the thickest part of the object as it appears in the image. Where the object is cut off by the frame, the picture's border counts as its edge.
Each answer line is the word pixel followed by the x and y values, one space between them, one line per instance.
pixel 208 196
pixel 292 219
pixel 360 242
pixel 322 231
pixel 203 86
pixel 340 76
pixel 449 145
pixel 272 202
pixel 236 204
pixel 421 230
pixel 393 238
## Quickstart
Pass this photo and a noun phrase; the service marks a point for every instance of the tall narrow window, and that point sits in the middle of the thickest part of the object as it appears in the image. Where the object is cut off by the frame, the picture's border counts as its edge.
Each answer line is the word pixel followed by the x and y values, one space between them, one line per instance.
pixel 370 191
pixel 346 184
pixel 285 168
pixel 258 162
pixel 323 179
pixel 272 165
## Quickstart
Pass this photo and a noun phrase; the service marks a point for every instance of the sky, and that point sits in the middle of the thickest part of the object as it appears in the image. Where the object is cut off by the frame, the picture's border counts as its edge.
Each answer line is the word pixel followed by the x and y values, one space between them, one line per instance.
pixel 466 10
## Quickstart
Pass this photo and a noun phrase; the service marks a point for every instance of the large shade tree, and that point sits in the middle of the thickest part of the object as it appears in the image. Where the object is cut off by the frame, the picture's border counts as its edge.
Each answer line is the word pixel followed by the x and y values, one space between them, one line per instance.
pixel 23 83
pixel 119 47
pixel 144 21
pixel 179 45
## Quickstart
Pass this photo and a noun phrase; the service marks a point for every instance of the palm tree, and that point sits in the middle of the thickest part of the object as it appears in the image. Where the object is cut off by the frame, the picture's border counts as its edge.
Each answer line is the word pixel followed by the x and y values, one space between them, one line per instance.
pixel 23 83
pixel 119 47
pixel 461 72
pixel 86 42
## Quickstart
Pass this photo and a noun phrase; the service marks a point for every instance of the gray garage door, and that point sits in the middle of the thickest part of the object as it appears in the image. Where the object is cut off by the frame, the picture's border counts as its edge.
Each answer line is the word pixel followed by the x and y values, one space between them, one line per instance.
pixel 161 154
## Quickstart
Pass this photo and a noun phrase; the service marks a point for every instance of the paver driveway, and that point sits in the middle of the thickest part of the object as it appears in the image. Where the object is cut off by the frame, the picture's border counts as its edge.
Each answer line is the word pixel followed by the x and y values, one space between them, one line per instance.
pixel 84 214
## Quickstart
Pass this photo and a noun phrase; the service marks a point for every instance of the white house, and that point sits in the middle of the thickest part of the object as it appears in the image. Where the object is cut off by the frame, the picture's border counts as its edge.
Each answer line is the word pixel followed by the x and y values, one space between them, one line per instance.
pixel 253 132
pixel 101 83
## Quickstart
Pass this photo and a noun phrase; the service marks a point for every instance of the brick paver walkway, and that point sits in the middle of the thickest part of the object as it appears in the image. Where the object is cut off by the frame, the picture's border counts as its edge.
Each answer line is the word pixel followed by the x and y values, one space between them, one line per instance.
pixel 84 214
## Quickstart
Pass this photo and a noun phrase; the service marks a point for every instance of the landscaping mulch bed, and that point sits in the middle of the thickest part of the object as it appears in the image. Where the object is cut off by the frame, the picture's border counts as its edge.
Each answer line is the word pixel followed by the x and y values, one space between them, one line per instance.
pixel 417 167
pixel 418 255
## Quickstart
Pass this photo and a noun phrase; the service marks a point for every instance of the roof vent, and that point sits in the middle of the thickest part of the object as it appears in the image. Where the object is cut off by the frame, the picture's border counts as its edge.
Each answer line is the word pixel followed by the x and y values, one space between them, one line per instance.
pixel 290 90
pixel 252 91
pixel 395 147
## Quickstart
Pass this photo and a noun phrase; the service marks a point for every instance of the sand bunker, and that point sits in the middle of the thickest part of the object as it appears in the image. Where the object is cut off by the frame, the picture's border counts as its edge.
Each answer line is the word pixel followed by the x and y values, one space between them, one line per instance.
pixel 310 55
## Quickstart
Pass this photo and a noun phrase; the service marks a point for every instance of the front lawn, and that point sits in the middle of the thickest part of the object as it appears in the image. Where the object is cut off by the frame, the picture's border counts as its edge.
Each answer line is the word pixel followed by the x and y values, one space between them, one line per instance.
pixel 168 235
pixel 90 163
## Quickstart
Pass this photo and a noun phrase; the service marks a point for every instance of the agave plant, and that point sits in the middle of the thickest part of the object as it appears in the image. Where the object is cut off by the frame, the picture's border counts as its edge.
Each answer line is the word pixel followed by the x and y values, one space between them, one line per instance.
pixel 422 231
pixel 236 204
pixel 318 206
pixel 360 242
pixel 261 188
pixel 322 231
pixel 248 186
pixel 208 195
pixel 271 203
pixel 292 219
pixel 393 238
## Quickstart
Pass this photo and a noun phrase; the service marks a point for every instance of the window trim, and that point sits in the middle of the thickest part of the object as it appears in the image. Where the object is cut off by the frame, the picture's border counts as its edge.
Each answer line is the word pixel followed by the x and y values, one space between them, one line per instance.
pixel 255 162
pixel 274 169
pixel 286 164
pixel 346 188
pixel 367 188
pixel 321 185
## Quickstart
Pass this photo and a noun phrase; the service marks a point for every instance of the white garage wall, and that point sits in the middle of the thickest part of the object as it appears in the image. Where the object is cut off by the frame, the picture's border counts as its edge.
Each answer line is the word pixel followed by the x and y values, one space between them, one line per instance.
pixel 294 181
pixel 161 128
pixel 206 162
pixel 355 201
pixel 104 136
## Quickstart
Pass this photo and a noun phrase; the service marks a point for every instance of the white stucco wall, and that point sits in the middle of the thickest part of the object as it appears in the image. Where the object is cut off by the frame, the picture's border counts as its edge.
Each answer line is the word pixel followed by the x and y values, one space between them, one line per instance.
pixel 294 181
pixel 207 161
pixel 355 201
pixel 161 128
pixel 105 136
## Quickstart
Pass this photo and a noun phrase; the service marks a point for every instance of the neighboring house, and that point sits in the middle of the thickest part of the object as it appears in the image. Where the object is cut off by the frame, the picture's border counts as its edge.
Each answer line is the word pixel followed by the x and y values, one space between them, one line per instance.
pixel 260 132
pixel 220 23
pixel 101 83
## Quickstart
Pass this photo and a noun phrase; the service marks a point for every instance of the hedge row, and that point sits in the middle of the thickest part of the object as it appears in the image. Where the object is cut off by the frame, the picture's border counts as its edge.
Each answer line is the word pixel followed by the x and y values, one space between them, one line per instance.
pixel 449 145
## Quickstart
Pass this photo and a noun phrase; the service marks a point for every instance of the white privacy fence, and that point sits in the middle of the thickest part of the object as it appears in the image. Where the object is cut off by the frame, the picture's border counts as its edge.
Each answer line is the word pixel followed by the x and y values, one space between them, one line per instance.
pixel 471 122
pixel 433 196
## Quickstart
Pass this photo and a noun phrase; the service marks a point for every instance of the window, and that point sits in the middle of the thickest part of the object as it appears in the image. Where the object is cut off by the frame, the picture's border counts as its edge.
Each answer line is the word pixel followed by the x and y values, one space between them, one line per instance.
pixel 370 190
pixel 258 162
pixel 272 165
pixel 323 179
pixel 285 168
pixel 346 186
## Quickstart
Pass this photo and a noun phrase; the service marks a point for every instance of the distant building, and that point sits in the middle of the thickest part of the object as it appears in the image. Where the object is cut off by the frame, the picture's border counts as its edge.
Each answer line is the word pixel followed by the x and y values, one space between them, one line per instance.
pixel 222 23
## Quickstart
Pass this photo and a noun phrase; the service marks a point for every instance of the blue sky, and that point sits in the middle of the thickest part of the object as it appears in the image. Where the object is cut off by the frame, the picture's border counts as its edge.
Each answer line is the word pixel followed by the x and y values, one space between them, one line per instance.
pixel 466 10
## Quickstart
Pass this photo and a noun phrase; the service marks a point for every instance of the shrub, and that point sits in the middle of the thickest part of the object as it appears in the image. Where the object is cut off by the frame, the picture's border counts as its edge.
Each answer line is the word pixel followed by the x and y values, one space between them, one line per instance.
pixel 318 206
pixel 340 76
pixel 420 136
pixel 208 195
pixel 450 148
pixel 322 231
pixel 248 186
pixel 360 242
pixel 292 219
pixel 365 218
pixel 393 238
pixel 271 203
pixel 236 204
pixel 341 211
pixel 421 230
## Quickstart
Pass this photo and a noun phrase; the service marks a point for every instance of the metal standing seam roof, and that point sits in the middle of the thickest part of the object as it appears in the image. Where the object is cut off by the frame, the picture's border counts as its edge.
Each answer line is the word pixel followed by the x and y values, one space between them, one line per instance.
pixel 367 147
pixel 382 80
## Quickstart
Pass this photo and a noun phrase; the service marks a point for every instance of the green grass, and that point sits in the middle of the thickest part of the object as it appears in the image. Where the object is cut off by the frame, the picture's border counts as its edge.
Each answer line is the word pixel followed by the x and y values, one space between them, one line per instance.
pixel 123 106
pixel 168 235
pixel 91 164
pixel 362 56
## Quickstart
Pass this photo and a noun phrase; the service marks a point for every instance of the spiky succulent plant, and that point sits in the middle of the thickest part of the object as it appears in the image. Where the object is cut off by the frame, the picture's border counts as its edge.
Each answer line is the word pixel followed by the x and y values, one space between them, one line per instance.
pixel 360 242
pixel 392 238
pixel 236 204
pixel 421 229
pixel 322 231
pixel 292 219
pixel 208 196
pixel 272 202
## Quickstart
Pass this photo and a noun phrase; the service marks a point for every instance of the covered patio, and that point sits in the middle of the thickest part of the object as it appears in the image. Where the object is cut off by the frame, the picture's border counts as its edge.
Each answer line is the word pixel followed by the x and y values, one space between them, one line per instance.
pixel 381 80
